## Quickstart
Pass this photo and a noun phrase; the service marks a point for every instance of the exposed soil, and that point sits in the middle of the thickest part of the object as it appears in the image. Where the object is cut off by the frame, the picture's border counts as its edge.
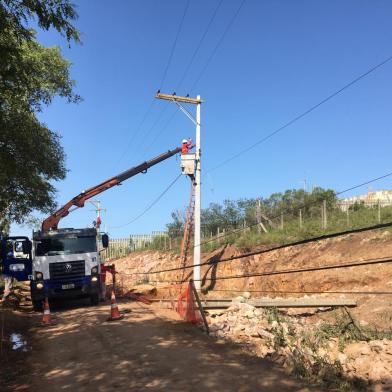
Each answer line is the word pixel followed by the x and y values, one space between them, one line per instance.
pixel 373 309
pixel 149 350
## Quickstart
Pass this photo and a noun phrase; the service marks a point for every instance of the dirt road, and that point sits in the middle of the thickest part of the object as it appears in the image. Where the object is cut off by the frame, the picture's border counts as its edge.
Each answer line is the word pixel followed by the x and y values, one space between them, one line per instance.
pixel 150 350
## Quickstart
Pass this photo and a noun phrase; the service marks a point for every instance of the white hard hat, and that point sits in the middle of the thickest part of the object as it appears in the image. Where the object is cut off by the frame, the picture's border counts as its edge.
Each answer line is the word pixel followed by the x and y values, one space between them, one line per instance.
pixel 184 141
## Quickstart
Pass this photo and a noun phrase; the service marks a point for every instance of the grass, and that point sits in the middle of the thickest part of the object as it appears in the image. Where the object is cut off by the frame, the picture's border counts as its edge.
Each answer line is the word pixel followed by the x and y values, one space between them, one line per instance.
pixel 247 239
pixel 305 359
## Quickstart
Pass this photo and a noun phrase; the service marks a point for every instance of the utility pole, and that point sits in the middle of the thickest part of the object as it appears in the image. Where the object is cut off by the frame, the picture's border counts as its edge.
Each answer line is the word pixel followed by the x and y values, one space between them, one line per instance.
pixel 196 177
pixel 98 209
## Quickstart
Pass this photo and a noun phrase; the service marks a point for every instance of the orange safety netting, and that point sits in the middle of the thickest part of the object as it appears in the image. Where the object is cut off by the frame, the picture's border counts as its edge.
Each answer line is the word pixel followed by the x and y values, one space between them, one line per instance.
pixel 186 305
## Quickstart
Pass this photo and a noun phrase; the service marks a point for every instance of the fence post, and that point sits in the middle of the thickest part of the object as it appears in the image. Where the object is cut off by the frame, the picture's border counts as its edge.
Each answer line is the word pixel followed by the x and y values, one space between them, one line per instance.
pixel 300 219
pixel 281 221
pixel 258 215
pixel 379 212
pixel 348 215
pixel 324 215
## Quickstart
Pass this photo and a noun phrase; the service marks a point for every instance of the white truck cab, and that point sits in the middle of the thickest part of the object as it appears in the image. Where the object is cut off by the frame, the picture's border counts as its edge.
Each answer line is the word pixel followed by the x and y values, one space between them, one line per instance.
pixel 67 263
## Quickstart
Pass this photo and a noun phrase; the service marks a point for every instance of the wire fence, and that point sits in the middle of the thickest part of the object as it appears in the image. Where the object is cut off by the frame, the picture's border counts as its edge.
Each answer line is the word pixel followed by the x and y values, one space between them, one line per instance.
pixel 121 247
pixel 290 225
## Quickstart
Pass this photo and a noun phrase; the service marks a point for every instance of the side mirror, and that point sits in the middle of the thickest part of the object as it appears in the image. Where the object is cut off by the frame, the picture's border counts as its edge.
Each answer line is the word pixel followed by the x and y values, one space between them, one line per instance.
pixel 26 247
pixel 105 240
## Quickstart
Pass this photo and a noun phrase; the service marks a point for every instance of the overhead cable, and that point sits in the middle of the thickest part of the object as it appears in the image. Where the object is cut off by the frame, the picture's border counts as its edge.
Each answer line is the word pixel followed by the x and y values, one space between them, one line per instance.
pixel 152 204
pixel 302 115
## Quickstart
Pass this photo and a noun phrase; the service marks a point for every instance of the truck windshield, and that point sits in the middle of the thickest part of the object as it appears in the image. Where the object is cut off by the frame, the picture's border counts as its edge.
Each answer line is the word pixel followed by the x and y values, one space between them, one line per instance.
pixel 66 245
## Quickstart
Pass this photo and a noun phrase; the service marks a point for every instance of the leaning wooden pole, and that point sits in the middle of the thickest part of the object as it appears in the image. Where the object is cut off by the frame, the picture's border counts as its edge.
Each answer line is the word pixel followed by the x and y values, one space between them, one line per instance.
pixel 199 305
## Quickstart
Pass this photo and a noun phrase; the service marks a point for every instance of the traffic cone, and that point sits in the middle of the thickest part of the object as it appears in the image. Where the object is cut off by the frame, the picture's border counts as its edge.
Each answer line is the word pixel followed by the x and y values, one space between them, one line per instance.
pixel 46 319
pixel 114 312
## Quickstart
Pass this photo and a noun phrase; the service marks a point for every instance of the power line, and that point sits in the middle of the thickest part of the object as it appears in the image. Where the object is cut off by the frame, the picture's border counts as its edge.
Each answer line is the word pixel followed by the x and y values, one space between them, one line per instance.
pixel 301 242
pixel 383 260
pixel 302 115
pixel 174 45
pixel 305 205
pixel 187 68
pixel 219 43
pixel 155 123
pixel 209 24
pixel 170 119
pixel 135 134
pixel 148 208
pixel 272 249
pixel 132 137
pixel 304 292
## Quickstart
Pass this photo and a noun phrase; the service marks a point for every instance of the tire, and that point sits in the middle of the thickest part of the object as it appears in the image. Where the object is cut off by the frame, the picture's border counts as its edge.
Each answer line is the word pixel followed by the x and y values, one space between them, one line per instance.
pixel 94 299
pixel 37 305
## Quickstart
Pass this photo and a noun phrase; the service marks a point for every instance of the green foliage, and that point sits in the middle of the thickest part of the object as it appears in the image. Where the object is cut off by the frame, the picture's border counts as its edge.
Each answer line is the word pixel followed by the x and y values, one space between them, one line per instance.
pixel 176 227
pixel 158 243
pixel 31 75
pixel 57 14
pixel 347 331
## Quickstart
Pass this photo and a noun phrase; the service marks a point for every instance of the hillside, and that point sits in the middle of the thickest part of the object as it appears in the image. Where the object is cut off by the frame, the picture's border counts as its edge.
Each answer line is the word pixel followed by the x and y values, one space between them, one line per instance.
pixel 353 282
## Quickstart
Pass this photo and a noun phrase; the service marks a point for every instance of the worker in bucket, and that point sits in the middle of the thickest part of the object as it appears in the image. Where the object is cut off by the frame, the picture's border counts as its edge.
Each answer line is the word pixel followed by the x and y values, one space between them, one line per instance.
pixel 186 146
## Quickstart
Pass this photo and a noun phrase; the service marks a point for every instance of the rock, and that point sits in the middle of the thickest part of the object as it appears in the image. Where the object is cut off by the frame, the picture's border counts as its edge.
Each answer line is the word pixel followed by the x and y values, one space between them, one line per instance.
pixel 232 319
pixel 258 312
pixel 285 328
pixel 216 327
pixel 264 351
pixel 265 334
pixel 356 349
pixel 378 371
pixel 238 299
pixel 376 346
pixel 342 358
pixel 246 295
pixel 244 307
pixel 234 307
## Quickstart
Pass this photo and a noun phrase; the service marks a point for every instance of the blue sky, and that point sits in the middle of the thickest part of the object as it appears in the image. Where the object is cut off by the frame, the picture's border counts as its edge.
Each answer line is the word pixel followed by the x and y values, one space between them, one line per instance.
pixel 278 59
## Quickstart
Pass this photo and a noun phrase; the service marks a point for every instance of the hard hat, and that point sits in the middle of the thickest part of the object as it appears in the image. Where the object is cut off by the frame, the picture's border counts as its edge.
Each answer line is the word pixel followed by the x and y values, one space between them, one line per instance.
pixel 184 141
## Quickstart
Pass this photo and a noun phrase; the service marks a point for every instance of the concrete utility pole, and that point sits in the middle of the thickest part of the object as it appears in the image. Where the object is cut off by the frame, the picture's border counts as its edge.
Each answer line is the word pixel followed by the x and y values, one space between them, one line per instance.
pixel 196 177
pixel 197 246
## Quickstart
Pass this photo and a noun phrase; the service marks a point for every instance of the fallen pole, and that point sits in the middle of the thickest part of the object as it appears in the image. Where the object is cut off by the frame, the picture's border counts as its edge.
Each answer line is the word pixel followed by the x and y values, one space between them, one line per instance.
pixel 282 303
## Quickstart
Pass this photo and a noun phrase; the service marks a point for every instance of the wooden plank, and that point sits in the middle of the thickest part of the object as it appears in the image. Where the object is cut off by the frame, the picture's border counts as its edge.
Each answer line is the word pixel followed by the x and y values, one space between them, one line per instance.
pixel 178 98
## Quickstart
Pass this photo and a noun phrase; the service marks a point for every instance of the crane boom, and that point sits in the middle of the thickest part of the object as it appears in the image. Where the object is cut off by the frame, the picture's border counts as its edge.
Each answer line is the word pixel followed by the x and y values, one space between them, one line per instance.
pixel 52 221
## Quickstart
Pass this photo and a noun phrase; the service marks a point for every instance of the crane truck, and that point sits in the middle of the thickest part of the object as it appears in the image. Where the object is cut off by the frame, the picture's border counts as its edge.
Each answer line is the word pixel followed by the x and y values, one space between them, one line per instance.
pixel 65 262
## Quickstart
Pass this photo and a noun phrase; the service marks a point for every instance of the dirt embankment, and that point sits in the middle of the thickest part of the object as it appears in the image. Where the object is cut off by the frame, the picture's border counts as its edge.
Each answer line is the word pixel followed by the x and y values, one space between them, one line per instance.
pixel 369 284
pixel 342 349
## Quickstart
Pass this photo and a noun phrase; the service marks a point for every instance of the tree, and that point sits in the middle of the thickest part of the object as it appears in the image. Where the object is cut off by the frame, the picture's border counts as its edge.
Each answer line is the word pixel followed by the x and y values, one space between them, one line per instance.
pixel 31 156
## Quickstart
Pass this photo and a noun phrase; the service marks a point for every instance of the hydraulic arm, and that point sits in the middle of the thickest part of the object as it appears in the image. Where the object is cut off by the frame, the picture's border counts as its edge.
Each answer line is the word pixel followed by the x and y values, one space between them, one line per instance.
pixel 52 221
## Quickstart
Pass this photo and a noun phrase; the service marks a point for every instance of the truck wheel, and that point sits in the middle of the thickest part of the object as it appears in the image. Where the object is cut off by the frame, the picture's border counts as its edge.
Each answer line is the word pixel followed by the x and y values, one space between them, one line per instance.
pixel 37 305
pixel 94 299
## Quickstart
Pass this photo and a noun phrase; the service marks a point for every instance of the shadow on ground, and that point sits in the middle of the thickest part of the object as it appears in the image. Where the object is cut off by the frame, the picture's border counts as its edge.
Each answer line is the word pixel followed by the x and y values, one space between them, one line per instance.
pixel 144 352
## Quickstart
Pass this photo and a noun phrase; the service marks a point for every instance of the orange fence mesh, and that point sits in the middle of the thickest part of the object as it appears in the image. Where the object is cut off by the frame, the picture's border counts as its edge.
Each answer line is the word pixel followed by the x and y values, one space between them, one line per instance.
pixel 186 305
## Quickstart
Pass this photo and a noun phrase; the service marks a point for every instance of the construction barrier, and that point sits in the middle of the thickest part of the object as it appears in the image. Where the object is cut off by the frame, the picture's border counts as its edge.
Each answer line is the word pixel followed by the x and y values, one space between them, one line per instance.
pixel 186 305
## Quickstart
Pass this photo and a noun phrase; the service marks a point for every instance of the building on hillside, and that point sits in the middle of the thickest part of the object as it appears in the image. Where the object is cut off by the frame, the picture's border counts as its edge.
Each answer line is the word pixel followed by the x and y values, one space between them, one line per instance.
pixel 370 199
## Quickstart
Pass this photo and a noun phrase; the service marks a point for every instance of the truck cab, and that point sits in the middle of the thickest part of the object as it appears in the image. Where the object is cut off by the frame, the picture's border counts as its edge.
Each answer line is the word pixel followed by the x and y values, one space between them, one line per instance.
pixel 15 257
pixel 67 264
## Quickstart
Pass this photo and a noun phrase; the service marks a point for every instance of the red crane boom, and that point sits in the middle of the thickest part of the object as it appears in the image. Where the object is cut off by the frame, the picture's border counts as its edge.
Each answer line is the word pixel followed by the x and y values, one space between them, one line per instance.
pixel 51 222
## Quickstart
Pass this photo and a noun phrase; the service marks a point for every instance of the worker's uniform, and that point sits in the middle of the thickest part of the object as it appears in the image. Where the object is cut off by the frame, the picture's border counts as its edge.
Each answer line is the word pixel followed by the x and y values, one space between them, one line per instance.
pixel 185 147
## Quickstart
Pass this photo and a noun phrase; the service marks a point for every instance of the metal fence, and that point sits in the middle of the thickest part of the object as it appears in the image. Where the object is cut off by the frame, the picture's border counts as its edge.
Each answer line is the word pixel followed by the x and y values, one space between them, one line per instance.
pixel 120 247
